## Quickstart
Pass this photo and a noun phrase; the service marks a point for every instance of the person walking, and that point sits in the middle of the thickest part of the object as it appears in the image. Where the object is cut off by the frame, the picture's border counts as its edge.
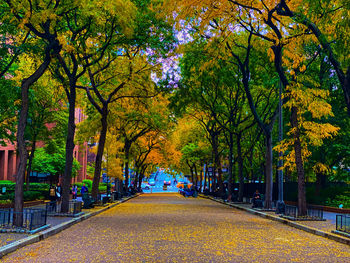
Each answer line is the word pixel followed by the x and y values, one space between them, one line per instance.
pixel 84 190
pixel 59 192
pixel 52 197
pixel 74 191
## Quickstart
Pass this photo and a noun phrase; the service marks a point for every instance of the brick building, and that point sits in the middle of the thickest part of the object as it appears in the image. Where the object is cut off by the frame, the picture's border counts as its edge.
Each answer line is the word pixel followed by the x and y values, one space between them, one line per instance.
pixel 9 160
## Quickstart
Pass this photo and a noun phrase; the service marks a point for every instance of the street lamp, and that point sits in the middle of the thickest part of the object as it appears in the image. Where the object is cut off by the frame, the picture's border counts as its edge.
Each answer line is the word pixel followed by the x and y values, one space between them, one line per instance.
pixel 280 204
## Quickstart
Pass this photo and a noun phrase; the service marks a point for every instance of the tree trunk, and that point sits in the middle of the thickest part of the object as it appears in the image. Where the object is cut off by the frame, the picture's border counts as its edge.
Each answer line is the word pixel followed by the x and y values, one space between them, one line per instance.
pixel 302 210
pixel 67 177
pixel 136 179
pixel 196 175
pixel 127 152
pixel 321 179
pixel 116 184
pixel 230 166
pixel 201 181
pixel 205 177
pixel 213 179
pixel 240 168
pixel 191 169
pixel 251 171
pixel 21 147
pixel 100 150
pixel 268 171
pixel 217 164
pixel 30 161
pixel 121 186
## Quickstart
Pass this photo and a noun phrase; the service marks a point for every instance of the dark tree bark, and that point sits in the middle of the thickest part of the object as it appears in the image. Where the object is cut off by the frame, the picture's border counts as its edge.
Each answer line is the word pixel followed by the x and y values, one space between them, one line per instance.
pixel 67 176
pixel 206 178
pixel 22 123
pixel 230 165
pixel 240 167
pixel 30 161
pixel 126 165
pixel 100 150
pixel 266 127
pixel 268 172
pixel 321 180
pixel 302 211
pixel 217 163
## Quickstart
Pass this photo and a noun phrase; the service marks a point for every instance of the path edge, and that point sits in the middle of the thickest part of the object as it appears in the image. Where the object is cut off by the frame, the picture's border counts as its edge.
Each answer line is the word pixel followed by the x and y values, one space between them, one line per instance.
pixel 4 250
pixel 308 229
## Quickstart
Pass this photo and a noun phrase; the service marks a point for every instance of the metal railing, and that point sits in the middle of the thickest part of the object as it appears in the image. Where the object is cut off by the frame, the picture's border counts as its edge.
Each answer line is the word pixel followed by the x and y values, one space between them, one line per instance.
pixel 31 218
pixel 343 223
pixel 291 210
pixel 54 207
pixel 313 212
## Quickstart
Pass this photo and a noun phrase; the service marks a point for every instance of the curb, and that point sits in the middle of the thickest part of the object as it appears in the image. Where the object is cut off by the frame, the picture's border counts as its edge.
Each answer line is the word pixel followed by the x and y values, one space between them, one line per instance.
pixel 308 229
pixel 4 250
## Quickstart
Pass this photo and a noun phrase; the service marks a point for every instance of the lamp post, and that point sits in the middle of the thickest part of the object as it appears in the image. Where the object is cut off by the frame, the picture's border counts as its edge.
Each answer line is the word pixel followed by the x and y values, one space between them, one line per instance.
pixel 280 204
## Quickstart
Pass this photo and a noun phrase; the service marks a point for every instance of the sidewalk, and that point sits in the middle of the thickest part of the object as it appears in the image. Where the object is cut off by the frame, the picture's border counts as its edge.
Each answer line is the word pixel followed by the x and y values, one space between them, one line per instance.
pixel 9 242
pixel 320 228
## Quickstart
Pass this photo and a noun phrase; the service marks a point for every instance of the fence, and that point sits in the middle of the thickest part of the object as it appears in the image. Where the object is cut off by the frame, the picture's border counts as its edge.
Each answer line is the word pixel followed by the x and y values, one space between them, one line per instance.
pixel 312 212
pixel 54 207
pixel 315 212
pixel 32 218
pixel 291 211
pixel 343 223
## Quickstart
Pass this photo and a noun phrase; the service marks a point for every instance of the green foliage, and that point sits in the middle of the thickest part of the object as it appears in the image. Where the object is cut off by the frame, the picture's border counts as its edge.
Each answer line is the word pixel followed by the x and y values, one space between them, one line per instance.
pixel 6 182
pixel 340 200
pixel 5 202
pixel 27 195
pixel 325 196
pixel 53 163
pixel 10 186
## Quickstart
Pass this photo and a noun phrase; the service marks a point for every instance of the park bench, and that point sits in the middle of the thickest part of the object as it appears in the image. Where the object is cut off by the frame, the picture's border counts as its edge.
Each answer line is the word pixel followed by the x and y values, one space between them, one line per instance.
pixel 259 203
pixel 88 201
pixel 106 199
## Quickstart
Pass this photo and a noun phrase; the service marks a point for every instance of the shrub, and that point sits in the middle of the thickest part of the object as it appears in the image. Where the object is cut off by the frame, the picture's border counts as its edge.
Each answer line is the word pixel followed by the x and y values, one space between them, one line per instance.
pixel 340 200
pixel 5 202
pixel 32 195
pixel 6 182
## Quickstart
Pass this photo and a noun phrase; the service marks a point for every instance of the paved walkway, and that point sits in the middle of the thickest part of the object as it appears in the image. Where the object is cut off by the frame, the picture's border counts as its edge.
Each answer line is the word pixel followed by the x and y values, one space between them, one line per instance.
pixel 171 228
pixel 327 225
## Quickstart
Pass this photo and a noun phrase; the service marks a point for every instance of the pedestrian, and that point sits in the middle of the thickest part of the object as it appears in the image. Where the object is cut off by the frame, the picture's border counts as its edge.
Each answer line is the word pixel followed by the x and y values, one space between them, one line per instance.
pixel 84 189
pixel 58 192
pixel 52 197
pixel 74 191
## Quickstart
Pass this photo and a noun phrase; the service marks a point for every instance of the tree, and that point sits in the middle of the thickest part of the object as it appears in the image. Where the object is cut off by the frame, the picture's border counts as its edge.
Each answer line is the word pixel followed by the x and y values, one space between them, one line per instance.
pixel 33 21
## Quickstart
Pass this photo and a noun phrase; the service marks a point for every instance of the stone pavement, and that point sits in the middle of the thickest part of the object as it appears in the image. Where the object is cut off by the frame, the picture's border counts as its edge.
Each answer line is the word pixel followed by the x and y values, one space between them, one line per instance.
pixel 327 225
pixel 171 228
pixel 53 221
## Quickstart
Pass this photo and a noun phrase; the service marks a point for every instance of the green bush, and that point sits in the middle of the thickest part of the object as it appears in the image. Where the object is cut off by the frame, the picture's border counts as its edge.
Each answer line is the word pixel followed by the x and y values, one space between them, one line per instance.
pixel 10 187
pixel 102 188
pixel 340 200
pixel 5 202
pixel 6 182
pixel 7 196
pixel 27 196
pixel 33 195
